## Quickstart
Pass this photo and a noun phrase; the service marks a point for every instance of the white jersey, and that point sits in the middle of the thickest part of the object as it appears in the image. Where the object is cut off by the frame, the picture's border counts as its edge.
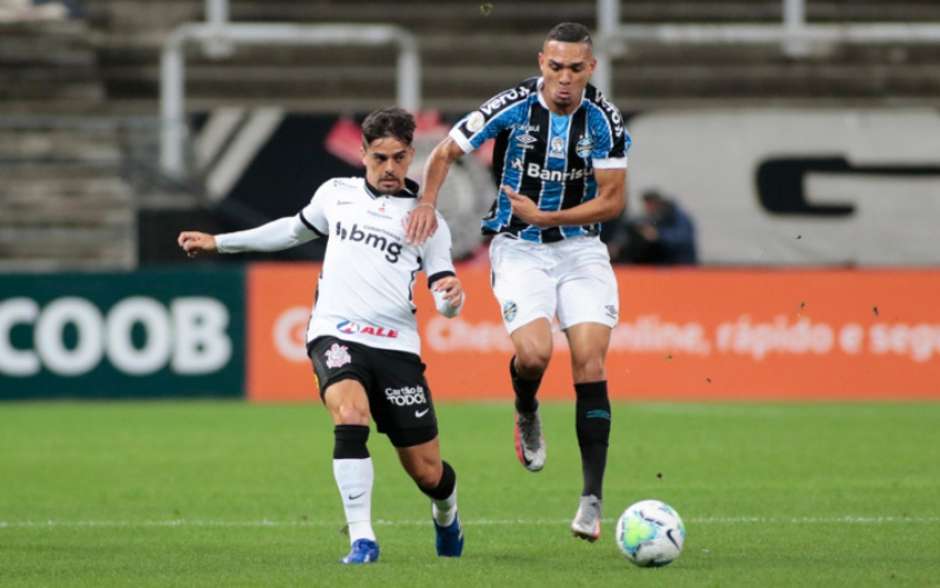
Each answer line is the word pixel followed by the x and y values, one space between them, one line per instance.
pixel 366 288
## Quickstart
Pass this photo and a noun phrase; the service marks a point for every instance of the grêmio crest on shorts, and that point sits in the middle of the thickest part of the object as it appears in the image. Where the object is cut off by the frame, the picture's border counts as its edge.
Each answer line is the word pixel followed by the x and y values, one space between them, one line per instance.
pixel 548 157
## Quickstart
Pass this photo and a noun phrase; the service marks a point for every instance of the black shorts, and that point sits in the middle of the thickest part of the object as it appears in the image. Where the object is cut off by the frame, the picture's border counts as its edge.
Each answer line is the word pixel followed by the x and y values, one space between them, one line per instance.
pixel 399 396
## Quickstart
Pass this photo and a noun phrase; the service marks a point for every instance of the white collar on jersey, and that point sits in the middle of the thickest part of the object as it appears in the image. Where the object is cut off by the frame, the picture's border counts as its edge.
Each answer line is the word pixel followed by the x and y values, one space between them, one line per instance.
pixel 541 81
pixel 409 191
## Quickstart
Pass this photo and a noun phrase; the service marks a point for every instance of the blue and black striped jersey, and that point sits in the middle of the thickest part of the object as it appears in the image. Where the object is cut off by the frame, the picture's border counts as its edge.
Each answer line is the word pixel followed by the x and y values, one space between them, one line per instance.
pixel 548 157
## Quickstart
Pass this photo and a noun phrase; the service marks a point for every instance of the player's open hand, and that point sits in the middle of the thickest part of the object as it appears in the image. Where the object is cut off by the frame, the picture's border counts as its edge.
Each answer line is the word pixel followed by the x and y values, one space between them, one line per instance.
pixel 194 243
pixel 421 223
pixel 451 289
pixel 523 207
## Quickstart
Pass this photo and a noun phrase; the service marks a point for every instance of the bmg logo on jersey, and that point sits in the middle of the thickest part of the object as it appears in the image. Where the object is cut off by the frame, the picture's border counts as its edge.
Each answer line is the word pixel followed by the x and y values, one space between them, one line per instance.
pixel 406 395
pixel 392 250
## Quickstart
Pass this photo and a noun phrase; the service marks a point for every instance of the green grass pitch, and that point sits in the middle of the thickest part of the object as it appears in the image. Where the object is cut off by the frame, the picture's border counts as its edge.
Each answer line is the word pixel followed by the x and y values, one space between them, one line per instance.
pixel 232 494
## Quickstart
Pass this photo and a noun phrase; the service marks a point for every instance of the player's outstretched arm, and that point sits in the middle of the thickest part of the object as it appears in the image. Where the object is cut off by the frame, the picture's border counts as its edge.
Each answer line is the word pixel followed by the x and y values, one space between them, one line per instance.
pixel 276 235
pixel 422 222
pixel 194 243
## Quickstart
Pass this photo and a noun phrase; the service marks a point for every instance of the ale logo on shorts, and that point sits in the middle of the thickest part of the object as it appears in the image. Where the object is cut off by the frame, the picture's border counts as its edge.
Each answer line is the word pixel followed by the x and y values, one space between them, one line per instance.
pixel 337 356
pixel 509 311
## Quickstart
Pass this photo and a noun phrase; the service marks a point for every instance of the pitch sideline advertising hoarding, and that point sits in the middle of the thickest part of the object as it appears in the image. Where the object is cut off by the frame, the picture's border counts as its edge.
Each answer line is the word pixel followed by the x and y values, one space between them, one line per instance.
pixel 683 335
pixel 145 334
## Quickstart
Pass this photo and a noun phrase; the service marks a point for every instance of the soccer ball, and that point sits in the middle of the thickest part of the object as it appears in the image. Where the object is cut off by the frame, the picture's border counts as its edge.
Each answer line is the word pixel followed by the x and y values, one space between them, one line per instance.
pixel 650 533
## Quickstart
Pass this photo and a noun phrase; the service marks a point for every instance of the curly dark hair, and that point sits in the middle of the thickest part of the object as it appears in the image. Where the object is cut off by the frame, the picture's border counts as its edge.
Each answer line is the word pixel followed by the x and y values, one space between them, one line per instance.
pixel 389 122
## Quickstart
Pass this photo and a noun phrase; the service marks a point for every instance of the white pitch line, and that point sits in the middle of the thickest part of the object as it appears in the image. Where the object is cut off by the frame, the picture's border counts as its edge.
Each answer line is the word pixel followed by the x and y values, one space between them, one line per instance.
pixel 843 520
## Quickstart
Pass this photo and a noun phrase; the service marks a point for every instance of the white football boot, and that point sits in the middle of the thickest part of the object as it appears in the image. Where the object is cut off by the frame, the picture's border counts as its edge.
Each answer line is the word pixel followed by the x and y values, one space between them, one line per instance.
pixel 587 521
pixel 530 444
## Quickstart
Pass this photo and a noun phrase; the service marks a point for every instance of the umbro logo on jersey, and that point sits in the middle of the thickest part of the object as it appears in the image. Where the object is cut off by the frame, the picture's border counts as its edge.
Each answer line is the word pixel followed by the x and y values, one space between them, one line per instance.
pixel 351 328
pixel 525 141
pixel 421 413
pixel 391 250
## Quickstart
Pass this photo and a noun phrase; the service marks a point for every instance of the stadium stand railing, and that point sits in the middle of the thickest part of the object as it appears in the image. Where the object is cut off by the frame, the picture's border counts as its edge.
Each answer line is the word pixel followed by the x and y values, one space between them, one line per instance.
pixel 220 38
pixel 792 48
pixel 467 55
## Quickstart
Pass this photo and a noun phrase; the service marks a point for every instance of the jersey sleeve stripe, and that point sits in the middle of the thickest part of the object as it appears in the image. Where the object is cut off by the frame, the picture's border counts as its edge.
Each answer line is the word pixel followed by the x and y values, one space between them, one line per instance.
pixel 461 140
pixel 611 163
pixel 310 226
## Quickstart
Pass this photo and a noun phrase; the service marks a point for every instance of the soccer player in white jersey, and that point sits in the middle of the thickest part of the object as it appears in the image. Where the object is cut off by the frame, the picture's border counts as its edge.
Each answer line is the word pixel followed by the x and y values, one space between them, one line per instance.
pixel 560 155
pixel 362 337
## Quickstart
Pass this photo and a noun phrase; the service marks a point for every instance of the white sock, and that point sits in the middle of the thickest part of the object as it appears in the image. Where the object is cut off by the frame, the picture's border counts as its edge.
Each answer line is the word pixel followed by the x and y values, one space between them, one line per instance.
pixel 354 480
pixel 444 511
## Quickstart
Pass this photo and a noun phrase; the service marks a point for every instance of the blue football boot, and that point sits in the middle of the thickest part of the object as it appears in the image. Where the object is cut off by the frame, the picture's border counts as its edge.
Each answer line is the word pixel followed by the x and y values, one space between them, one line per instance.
pixel 363 551
pixel 449 539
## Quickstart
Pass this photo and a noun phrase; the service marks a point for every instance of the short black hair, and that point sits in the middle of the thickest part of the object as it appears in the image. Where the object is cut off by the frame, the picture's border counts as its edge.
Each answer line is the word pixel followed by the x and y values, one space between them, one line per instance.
pixel 570 32
pixel 389 122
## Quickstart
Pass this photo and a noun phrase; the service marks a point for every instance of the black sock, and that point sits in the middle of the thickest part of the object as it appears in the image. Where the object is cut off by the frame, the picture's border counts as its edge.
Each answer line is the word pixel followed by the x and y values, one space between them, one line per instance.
pixel 525 389
pixel 593 427
pixel 445 486
pixel 349 442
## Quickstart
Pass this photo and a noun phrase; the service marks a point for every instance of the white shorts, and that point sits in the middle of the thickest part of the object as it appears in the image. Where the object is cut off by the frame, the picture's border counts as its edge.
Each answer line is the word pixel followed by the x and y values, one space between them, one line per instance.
pixel 571 279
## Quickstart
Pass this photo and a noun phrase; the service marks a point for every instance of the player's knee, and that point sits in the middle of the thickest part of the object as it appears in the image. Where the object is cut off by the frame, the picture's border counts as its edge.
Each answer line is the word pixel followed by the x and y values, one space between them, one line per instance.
pixel 532 360
pixel 588 369
pixel 351 414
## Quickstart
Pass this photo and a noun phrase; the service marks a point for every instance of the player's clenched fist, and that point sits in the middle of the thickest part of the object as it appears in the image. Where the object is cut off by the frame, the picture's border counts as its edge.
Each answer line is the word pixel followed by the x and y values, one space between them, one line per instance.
pixel 448 296
pixel 194 242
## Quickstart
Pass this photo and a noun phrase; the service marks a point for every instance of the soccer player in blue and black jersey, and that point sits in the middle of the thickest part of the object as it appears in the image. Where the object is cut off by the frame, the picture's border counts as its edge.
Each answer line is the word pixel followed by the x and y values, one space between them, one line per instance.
pixel 561 158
